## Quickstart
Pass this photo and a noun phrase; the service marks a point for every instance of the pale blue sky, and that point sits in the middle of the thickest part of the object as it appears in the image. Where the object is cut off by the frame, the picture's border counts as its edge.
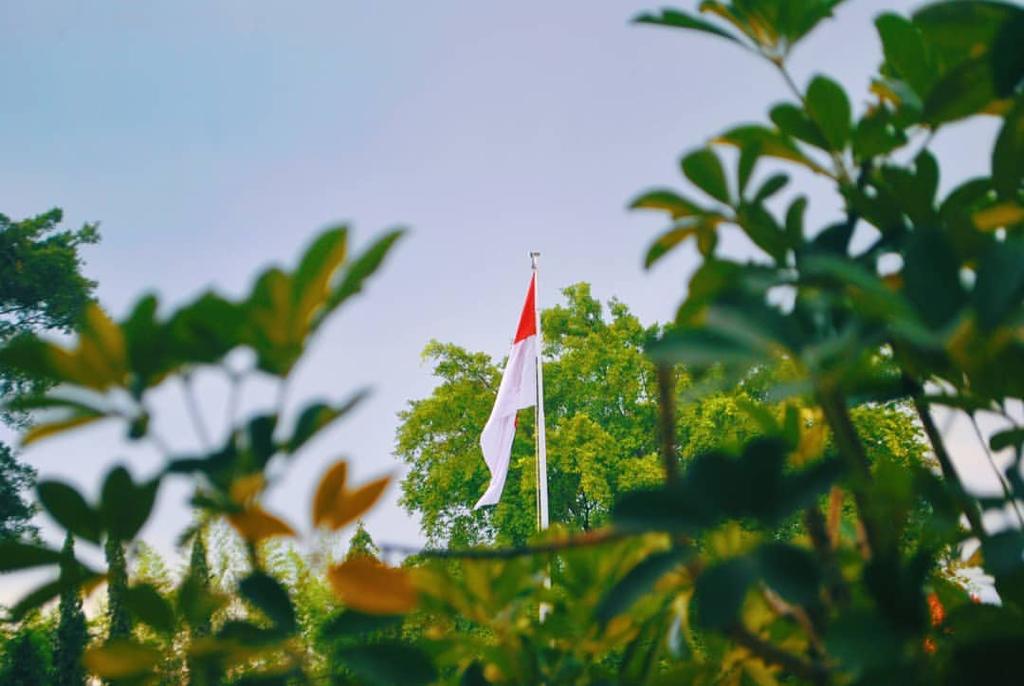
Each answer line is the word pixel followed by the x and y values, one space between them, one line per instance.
pixel 210 137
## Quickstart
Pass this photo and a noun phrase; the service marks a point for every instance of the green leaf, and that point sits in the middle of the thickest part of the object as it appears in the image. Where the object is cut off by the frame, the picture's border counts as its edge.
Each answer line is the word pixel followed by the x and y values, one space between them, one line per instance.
pixel 15 555
pixel 999 285
pixel 703 169
pixel 353 623
pixel 682 20
pixel 46 592
pixel 748 159
pixel 149 607
pixel 389 663
pixel 792 572
pixel 772 185
pixel 69 509
pixel 1011 438
pixel 770 143
pixel 260 435
pixel 362 268
pixel 795 221
pixel 1008 153
pixel 793 121
pixel 720 591
pixel 204 331
pixel 1007 56
pixel 761 227
pixel 271 598
pixel 960 30
pixel 121 658
pixel 876 134
pixel 312 278
pixel 667 201
pixel 318 416
pixel 829 108
pixel 931 278
pixel 124 506
pixel 964 90
pixel 638 582
pixel 667 241
pixel 906 51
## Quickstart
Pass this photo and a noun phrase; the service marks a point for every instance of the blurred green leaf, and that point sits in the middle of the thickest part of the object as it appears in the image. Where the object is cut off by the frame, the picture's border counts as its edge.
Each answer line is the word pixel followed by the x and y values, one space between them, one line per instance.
pixel 906 51
pixel 353 623
pixel 720 592
pixel 964 90
pixel 876 134
pixel 770 144
pixel 1011 438
pixel 124 505
pixel 149 607
pixel 829 108
pixel 931 278
pixel 638 582
pixel 791 571
pixel 999 284
pixel 677 19
pixel 69 509
pixel 16 555
pixel 793 121
pixel 362 268
pixel 667 201
pixel 703 168
pixel 1008 153
pixel 664 243
pixel 388 663
pixel 318 416
pixel 271 598
pixel 1007 56
pixel 203 331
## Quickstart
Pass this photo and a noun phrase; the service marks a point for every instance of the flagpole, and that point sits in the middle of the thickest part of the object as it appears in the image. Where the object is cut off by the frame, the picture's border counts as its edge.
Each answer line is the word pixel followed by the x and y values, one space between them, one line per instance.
pixel 542 457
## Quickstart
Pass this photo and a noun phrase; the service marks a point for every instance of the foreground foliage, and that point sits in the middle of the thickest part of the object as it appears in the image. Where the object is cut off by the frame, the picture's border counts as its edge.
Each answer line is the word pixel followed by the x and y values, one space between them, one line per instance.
pixel 816 552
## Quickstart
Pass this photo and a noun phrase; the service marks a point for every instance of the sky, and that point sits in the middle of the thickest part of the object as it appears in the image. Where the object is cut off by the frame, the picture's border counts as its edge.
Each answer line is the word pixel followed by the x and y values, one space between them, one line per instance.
pixel 210 138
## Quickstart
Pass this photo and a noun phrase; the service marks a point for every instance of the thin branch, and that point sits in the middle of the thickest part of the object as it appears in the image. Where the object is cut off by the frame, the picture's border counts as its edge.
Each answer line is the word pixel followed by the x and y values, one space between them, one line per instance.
pixel 1007 491
pixel 234 395
pixel 949 473
pixel 852 450
pixel 772 654
pixel 193 410
pixel 587 540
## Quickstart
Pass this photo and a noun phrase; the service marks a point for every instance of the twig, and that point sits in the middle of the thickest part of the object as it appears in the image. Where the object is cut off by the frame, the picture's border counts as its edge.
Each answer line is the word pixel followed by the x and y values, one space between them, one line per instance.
pixel 995 468
pixel 949 473
pixel 193 410
pixel 772 654
pixel 593 538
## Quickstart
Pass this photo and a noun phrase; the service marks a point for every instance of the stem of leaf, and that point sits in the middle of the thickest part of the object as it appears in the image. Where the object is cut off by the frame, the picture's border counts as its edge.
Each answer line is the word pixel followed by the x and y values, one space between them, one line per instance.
pixel 852 450
pixel 193 410
pixel 772 654
pixel 949 472
pixel 1007 491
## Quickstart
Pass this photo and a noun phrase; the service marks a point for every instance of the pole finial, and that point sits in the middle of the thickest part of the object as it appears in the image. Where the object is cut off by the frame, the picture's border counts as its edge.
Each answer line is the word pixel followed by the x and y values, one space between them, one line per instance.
pixel 534 256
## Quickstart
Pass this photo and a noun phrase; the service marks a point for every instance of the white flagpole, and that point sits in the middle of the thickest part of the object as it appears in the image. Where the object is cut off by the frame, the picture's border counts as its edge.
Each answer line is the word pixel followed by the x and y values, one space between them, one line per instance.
pixel 542 457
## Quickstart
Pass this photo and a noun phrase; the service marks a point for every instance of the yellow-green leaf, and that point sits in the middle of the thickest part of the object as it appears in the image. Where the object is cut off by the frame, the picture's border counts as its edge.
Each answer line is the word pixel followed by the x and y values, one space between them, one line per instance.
pixel 120 659
pixel 330 488
pixel 255 524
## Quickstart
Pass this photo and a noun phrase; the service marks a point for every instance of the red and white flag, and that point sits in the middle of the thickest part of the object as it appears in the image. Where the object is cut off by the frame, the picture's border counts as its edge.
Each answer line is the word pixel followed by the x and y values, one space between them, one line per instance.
pixel 518 390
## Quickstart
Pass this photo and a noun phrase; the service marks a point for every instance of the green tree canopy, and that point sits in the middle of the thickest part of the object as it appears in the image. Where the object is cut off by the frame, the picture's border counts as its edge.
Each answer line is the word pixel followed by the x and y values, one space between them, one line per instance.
pixel 601 414
pixel 41 289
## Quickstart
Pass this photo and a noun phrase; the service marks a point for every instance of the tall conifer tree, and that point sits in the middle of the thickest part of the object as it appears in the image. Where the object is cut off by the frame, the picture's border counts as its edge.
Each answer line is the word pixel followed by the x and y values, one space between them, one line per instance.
pixel 117 585
pixel 72 634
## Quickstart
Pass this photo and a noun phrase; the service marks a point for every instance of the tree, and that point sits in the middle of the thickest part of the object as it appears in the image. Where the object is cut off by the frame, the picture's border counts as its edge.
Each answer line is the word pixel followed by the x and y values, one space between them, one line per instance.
pixel 361 544
pixel 601 414
pixel 600 403
pixel 72 634
pixel 118 618
pixel 41 289
pixel 25 660
pixel 15 513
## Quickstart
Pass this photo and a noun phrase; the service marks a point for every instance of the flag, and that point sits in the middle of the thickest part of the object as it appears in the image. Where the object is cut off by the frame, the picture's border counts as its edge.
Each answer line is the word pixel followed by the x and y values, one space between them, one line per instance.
pixel 518 390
